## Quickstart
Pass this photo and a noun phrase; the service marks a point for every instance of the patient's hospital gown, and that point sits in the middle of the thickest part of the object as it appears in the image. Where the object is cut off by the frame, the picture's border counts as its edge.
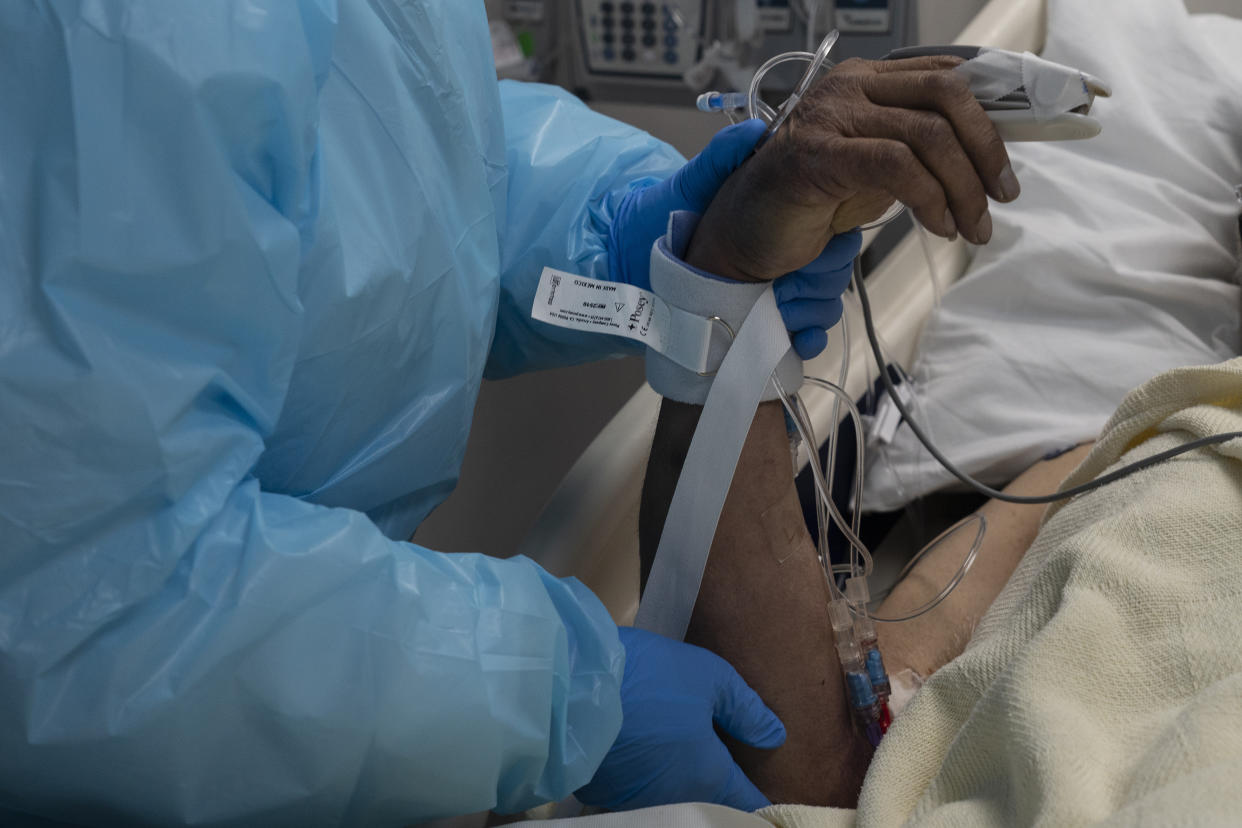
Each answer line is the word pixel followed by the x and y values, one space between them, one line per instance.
pixel 255 259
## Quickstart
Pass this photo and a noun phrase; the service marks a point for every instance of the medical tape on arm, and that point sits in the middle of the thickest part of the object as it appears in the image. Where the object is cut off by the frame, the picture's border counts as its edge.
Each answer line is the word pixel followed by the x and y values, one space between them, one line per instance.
pixel 1051 88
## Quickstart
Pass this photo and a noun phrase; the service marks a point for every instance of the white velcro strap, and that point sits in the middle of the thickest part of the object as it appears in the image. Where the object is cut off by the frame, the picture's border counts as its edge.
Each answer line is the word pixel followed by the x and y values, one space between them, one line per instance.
pixel 723 301
pixel 690 526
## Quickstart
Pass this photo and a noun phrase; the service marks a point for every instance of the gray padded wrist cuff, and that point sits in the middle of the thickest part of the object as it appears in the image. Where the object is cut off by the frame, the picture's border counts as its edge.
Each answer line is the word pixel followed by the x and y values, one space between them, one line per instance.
pixel 699 293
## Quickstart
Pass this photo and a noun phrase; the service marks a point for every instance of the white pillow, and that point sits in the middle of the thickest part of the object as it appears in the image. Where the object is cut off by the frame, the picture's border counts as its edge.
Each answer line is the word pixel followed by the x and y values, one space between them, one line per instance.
pixel 1120 260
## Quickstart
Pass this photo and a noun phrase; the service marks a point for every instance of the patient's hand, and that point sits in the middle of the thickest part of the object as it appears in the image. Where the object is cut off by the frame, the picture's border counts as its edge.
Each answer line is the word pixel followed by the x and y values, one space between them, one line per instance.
pixel 867 133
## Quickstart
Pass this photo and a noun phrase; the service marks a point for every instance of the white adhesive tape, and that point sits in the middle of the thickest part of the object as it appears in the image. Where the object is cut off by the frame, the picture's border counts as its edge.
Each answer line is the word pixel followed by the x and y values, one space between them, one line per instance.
pixel 1051 88
pixel 904 685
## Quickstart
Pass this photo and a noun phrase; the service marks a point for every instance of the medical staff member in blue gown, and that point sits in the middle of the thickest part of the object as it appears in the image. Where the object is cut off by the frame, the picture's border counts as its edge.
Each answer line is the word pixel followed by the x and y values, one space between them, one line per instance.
pixel 255 259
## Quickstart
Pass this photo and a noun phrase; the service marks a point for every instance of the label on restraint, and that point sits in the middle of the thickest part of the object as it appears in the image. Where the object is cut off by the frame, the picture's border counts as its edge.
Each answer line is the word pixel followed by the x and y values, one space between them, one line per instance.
pixel 570 301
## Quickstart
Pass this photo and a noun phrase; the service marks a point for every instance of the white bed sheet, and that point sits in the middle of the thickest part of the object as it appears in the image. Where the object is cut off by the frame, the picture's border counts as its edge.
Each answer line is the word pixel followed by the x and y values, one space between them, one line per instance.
pixel 1120 260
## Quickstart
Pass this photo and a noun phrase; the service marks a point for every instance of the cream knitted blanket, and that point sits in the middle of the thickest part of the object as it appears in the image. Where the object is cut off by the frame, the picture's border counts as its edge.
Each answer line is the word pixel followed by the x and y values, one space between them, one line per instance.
pixel 1104 686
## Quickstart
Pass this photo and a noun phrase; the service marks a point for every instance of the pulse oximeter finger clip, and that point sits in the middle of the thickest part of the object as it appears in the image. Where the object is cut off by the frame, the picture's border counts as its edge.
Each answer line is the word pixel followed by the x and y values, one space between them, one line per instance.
pixel 1026 97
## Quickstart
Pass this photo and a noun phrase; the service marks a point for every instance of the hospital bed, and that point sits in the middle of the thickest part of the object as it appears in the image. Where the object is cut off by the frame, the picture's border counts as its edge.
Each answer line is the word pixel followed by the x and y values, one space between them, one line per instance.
pixel 589 526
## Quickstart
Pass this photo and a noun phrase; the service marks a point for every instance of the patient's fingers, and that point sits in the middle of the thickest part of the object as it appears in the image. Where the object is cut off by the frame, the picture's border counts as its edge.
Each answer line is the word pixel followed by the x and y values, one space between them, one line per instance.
pixel 862 165
pixel 922 63
pixel 949 94
pixel 935 143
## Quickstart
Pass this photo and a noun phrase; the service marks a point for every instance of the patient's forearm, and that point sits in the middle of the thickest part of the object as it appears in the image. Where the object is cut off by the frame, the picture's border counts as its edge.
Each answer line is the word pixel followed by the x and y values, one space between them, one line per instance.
pixel 927 643
pixel 763 601
pixel 763 607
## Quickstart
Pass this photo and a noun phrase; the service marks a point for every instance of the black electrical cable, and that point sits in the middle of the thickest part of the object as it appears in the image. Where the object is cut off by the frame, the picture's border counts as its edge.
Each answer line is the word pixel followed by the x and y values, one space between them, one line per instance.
pixel 1111 477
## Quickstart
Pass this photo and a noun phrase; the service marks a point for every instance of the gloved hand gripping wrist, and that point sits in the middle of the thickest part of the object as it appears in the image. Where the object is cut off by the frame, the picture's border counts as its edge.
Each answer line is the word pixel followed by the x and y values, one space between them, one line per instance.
pixel 808 298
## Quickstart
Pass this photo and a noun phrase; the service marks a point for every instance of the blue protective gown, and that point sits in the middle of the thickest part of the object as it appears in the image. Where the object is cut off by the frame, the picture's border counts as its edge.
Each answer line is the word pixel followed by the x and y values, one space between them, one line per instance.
pixel 255 258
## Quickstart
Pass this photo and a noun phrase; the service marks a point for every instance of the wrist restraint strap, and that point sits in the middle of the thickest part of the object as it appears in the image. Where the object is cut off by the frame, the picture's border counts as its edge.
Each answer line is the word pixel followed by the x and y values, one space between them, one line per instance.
pixel 723 301
pixel 690 526
pixel 712 342
pixel 760 348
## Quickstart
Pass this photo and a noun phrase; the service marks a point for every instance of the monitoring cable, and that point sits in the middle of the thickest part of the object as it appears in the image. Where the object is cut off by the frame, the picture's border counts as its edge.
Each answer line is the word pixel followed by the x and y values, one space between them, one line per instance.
pixel 1111 477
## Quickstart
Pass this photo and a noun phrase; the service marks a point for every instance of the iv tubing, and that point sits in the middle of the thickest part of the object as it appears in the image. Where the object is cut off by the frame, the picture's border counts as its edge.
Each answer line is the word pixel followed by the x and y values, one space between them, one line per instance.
pixel 804 430
pixel 757 108
pixel 776 119
pixel 849 530
pixel 808 438
pixel 824 498
pixel 967 563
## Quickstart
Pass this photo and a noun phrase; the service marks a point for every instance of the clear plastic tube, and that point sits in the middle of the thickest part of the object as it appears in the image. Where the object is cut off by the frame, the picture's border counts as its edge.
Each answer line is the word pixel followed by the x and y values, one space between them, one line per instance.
pixel 967 562
pixel 892 213
pixel 756 107
pixel 812 21
pixel 836 418
pixel 803 426
pixel 925 242
pixel 860 556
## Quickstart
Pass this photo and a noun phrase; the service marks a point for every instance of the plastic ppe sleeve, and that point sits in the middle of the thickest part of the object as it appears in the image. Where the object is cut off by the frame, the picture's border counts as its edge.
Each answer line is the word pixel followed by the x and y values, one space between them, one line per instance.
pixel 311 669
pixel 569 169
pixel 178 646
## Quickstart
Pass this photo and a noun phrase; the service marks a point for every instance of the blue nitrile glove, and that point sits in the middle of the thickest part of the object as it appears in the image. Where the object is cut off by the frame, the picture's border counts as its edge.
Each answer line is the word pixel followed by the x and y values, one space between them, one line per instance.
pixel 642 216
pixel 809 298
pixel 668 751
